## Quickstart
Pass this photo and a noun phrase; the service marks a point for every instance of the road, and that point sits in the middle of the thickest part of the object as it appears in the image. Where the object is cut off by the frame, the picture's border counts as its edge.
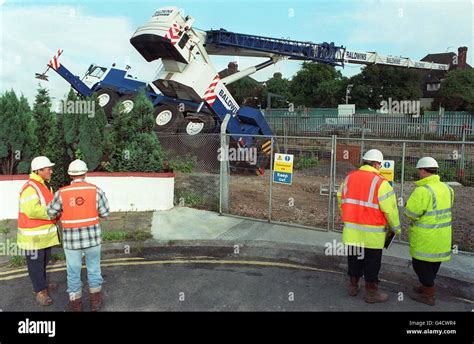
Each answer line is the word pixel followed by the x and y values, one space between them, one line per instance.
pixel 217 285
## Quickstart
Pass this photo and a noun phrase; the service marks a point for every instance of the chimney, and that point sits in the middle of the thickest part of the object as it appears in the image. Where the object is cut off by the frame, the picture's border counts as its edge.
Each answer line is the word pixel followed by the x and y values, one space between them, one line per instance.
pixel 233 67
pixel 462 57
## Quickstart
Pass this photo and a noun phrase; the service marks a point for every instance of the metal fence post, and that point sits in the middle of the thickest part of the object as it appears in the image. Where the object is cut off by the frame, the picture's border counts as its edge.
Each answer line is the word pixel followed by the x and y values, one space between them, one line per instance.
pixel 331 184
pixel 461 174
pixel 402 177
pixel 271 182
pixel 334 170
pixel 402 182
pixel 362 146
pixel 224 169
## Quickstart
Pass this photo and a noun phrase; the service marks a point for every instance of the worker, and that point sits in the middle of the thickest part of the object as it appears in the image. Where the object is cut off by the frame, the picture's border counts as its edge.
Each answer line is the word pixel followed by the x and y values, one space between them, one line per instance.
pixel 37 232
pixel 80 205
pixel 368 204
pixel 429 209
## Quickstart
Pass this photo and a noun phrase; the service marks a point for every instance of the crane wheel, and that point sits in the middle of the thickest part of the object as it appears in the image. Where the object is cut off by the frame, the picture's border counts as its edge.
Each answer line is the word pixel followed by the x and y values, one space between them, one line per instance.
pixel 107 98
pixel 167 119
pixel 127 102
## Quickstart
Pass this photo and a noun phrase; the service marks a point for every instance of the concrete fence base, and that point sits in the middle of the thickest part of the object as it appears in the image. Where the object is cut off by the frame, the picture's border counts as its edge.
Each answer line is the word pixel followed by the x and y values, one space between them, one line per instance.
pixel 125 191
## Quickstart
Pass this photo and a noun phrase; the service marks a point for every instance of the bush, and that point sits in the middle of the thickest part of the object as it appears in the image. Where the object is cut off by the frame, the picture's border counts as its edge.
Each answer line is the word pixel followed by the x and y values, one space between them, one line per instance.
pixel 183 164
pixel 133 143
pixel 306 162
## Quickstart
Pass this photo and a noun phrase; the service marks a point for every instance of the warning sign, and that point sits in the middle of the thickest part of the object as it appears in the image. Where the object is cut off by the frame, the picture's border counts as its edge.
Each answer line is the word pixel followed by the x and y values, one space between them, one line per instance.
pixel 283 168
pixel 388 170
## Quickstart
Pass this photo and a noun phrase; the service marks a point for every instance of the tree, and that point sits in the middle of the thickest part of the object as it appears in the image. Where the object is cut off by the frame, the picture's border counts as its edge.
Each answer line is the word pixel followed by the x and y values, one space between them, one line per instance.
pixel 84 131
pixel 280 86
pixel 317 85
pixel 90 141
pixel 43 119
pixel 57 152
pixel 17 138
pixel 457 91
pixel 246 91
pixel 134 144
pixel 379 83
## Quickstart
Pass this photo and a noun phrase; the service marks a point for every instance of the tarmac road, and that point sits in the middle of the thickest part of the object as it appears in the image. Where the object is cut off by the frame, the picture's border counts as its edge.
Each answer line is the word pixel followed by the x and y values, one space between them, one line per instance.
pixel 196 284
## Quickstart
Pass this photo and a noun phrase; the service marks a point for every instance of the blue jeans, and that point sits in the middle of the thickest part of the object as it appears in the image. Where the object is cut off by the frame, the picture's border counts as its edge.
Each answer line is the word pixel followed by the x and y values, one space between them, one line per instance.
pixel 74 266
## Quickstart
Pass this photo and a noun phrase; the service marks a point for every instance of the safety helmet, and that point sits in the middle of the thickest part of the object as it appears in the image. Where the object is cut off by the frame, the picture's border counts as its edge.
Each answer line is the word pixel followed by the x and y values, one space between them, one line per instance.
pixel 40 162
pixel 427 162
pixel 77 168
pixel 373 155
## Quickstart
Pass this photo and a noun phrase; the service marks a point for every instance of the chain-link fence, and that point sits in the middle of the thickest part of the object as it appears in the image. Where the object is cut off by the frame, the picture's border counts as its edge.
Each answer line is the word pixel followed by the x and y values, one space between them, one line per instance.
pixel 194 160
pixel 305 202
pixel 243 184
pixel 455 164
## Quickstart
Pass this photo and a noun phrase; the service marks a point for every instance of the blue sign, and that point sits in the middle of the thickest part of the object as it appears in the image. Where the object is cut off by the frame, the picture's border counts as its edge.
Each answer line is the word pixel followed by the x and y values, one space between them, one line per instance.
pixel 283 178
pixel 387 165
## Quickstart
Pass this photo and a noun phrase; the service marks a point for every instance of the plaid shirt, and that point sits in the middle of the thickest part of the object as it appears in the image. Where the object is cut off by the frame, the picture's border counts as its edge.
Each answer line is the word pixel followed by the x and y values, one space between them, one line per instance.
pixel 81 237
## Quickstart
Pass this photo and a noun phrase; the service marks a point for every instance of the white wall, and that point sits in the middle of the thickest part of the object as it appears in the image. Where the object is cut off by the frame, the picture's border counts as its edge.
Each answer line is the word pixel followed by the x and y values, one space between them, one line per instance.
pixel 124 191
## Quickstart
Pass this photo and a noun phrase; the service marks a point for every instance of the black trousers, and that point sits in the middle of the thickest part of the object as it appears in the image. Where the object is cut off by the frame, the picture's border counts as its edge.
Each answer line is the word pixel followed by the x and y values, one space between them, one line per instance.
pixel 37 261
pixel 368 266
pixel 426 271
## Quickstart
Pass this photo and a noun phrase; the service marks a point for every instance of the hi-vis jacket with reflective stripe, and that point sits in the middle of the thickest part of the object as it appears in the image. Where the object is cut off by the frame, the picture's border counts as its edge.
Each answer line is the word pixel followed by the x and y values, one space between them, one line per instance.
pixel 429 207
pixel 368 204
pixel 35 229
pixel 79 205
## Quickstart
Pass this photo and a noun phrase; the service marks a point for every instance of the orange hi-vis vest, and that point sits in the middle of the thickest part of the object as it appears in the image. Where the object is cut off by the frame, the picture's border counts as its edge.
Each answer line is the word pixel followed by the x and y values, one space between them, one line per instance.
pixel 359 199
pixel 79 205
pixel 45 196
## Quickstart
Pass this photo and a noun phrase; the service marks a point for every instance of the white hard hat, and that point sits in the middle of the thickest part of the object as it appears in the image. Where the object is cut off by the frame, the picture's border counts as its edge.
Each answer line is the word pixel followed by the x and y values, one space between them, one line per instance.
pixel 427 162
pixel 373 155
pixel 77 168
pixel 40 162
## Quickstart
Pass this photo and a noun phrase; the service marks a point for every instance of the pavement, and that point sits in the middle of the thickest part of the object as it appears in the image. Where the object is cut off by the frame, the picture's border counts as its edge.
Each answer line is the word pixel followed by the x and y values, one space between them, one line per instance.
pixel 182 224
pixel 201 261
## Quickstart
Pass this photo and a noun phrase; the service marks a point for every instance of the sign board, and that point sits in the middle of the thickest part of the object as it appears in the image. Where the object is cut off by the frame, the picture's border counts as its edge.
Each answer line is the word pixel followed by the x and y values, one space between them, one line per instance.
pixel 283 168
pixel 388 170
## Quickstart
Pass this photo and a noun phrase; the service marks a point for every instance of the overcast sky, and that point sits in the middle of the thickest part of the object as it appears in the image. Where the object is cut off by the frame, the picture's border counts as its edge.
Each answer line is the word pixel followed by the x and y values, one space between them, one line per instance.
pixel 99 32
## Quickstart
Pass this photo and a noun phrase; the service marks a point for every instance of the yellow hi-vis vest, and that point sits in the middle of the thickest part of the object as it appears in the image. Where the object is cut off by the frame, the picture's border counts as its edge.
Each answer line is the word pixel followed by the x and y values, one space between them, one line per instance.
pixel 35 229
pixel 430 209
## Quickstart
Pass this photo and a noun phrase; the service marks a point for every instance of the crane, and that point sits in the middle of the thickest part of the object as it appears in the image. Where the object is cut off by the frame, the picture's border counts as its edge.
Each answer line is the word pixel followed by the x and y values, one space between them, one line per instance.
pixel 188 93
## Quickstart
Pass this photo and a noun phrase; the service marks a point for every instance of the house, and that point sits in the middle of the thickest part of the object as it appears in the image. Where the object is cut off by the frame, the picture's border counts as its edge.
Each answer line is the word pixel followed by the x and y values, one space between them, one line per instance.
pixel 431 79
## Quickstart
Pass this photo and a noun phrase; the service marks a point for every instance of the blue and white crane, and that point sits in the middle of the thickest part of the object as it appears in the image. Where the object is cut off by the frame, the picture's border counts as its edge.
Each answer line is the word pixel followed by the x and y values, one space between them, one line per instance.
pixel 188 94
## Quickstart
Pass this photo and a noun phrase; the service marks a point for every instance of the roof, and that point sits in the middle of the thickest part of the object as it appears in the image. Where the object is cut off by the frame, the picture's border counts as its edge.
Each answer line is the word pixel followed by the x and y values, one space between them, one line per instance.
pixel 443 58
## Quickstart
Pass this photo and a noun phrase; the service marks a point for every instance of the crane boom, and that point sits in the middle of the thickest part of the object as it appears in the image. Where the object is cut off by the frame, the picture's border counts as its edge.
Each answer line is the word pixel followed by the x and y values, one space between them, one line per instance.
pixel 223 42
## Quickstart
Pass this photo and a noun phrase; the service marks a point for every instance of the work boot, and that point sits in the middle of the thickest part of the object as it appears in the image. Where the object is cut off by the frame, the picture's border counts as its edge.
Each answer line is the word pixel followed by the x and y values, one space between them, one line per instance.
pixel 372 295
pixel 354 286
pixel 417 289
pixel 75 305
pixel 96 301
pixel 427 296
pixel 43 299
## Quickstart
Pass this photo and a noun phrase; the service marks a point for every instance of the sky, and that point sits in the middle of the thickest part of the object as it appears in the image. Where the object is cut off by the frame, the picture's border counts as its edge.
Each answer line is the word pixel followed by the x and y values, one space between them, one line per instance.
pixel 98 31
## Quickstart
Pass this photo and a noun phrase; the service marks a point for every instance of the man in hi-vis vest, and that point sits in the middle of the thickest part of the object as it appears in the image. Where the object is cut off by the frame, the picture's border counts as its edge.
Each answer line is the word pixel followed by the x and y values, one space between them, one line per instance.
pixel 368 205
pixel 430 210
pixel 37 232
pixel 79 206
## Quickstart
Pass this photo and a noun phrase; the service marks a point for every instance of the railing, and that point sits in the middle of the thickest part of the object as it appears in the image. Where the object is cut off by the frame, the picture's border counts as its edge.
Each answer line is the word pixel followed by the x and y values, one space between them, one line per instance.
pixel 326 123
